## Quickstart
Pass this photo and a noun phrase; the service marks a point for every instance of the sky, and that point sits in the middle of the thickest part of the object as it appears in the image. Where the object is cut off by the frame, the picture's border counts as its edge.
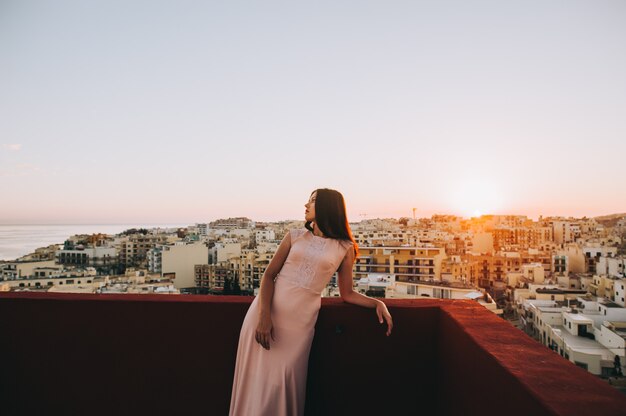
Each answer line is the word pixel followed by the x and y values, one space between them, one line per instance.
pixel 189 111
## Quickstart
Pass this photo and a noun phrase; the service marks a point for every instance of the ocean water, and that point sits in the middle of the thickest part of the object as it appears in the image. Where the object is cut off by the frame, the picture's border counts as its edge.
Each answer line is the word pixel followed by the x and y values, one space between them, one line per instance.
pixel 19 240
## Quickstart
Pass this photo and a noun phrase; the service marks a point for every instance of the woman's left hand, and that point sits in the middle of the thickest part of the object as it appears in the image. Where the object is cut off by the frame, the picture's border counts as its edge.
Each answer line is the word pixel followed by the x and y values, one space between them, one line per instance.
pixel 382 312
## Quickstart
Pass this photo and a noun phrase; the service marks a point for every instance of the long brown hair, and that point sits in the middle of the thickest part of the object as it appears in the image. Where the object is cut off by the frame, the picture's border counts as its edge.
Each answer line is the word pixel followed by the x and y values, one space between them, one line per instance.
pixel 331 217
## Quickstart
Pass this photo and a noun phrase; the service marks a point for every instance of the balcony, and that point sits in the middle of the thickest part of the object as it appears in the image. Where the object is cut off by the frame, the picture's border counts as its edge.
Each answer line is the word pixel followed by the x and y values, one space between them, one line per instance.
pixel 76 354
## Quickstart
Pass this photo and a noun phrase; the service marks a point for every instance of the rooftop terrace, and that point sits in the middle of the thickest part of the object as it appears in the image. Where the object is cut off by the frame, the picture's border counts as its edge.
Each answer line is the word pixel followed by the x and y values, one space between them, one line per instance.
pixel 103 354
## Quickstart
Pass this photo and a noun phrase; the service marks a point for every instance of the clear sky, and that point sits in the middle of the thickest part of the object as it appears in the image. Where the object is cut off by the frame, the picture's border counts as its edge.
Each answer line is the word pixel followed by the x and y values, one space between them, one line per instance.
pixel 188 111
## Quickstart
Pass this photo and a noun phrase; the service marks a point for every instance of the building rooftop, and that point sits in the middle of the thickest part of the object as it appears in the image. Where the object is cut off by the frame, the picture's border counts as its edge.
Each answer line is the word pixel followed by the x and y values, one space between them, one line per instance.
pixel 442 358
pixel 578 318
pixel 582 344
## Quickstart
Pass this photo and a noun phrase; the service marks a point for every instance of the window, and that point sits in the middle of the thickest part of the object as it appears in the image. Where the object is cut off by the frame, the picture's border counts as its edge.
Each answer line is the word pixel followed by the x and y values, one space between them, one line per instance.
pixel 581 365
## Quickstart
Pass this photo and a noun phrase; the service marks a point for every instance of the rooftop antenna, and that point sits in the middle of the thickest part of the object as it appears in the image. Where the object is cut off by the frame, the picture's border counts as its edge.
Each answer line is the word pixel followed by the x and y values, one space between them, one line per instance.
pixel 363 215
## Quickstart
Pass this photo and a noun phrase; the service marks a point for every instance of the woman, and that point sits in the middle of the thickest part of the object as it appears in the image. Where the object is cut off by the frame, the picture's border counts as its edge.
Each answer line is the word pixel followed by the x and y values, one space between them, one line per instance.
pixel 277 332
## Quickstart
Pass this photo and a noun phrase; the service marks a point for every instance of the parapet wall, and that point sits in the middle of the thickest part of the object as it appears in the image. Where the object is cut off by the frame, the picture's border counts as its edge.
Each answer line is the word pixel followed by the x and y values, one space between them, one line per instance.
pixel 77 354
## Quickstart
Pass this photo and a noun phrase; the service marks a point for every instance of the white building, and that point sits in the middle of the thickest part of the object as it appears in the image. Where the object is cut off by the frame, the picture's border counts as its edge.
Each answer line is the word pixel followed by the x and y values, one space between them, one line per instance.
pixel 202 228
pixel 264 235
pixel 155 259
pixel 590 333
pixel 22 269
pixel 88 256
pixel 611 266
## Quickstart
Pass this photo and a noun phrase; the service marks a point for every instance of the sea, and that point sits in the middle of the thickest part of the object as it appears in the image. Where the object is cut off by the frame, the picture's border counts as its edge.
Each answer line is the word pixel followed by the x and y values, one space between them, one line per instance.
pixel 19 240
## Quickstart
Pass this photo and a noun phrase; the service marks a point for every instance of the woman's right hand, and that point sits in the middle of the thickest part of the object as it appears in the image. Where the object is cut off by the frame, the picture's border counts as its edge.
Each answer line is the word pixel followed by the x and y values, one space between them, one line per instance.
pixel 264 330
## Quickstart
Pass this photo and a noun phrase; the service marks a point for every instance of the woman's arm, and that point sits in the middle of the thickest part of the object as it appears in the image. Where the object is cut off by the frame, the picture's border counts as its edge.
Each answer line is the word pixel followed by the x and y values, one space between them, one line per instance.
pixel 266 292
pixel 348 294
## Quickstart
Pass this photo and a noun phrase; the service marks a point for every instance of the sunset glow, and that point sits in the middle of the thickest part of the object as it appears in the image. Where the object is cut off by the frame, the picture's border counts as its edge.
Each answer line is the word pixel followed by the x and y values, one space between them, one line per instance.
pixel 475 197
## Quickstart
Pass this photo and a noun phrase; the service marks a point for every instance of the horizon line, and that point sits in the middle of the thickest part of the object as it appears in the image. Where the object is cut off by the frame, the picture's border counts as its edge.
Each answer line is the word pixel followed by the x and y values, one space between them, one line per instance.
pixel 283 220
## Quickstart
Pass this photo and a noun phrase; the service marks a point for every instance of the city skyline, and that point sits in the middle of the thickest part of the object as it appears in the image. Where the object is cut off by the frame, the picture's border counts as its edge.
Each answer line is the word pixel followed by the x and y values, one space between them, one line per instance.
pixel 123 113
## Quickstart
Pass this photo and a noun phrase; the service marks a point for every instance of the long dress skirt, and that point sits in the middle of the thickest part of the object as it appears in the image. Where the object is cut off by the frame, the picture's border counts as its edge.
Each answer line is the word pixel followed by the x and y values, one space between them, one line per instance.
pixel 273 382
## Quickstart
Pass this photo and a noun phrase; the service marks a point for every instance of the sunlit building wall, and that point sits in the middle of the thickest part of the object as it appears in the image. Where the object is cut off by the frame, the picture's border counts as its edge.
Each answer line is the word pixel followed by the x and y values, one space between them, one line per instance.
pixel 178 263
pixel 409 264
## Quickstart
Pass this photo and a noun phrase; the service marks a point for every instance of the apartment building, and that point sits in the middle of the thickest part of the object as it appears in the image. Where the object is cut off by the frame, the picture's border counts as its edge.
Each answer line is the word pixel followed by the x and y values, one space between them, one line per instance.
pixel 229 223
pixel 481 243
pixel 521 238
pixel 264 235
pixel 45 278
pixel 22 269
pixel 611 266
pixel 212 276
pixel 42 253
pixel 562 231
pixel 409 264
pixel 202 229
pixel 382 238
pixel 538 256
pixel 593 252
pixel 179 260
pixel 560 265
pixel 455 268
pixel 485 269
pixel 224 250
pixel 105 258
pixel 134 249
pixel 155 259
pixel 250 266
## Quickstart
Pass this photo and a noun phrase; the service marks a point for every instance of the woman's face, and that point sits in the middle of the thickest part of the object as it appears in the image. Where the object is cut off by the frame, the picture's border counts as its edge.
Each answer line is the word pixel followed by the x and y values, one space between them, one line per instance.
pixel 309 213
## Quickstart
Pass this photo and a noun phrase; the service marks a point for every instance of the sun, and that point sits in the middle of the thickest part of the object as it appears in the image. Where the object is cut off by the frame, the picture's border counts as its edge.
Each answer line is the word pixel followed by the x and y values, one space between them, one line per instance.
pixel 475 197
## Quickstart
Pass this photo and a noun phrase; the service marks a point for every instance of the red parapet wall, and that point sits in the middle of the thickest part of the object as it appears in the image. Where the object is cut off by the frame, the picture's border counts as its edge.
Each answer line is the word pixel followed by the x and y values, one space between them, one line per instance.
pixel 89 354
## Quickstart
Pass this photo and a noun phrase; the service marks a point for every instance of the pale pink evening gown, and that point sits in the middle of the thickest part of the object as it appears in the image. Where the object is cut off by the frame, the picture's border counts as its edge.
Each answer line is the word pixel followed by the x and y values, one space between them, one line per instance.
pixel 273 382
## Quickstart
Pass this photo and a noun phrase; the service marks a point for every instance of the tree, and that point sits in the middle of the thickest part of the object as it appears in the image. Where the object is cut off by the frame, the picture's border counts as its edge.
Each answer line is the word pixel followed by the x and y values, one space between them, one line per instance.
pixel 227 286
pixel 236 288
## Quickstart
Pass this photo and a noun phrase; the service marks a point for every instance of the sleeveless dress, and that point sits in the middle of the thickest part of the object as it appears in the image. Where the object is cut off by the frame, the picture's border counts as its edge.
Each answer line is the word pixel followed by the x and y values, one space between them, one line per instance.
pixel 273 382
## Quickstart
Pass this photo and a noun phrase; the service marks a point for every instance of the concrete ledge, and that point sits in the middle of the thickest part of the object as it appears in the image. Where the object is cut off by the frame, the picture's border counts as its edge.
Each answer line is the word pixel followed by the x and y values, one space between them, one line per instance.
pixel 174 354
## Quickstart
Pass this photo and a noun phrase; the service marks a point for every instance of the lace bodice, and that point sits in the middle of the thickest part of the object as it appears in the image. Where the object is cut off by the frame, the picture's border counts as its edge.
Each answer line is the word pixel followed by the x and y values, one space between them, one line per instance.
pixel 312 260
